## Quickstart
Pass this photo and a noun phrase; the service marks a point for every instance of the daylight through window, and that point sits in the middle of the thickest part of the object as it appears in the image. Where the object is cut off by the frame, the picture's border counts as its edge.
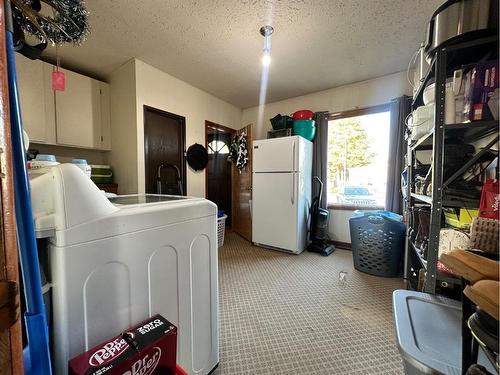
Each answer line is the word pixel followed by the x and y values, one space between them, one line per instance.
pixel 358 149
pixel 217 147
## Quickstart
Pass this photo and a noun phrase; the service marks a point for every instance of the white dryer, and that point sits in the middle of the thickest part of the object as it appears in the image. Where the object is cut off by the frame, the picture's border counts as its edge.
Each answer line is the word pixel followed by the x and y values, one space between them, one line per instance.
pixel 115 262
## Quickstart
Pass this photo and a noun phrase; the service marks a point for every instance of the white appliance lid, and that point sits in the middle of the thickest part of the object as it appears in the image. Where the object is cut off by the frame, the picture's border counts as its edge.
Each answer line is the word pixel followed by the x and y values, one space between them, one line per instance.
pixel 144 199
pixel 69 208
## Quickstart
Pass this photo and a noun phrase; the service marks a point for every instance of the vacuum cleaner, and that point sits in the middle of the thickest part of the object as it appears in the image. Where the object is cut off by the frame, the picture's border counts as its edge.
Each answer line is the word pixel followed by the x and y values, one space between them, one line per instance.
pixel 319 225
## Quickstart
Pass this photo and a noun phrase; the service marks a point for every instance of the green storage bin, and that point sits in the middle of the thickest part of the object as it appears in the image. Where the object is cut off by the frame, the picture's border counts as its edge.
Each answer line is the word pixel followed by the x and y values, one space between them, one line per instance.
pixel 101 174
pixel 305 128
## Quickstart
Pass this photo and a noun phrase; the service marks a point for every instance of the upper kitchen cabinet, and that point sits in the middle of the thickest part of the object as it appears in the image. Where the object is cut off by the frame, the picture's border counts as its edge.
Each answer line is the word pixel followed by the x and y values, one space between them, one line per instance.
pixel 36 99
pixel 82 112
pixel 105 140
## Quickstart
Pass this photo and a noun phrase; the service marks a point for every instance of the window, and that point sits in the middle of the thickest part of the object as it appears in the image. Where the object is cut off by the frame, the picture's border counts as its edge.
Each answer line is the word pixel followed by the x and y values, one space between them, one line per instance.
pixel 217 147
pixel 358 148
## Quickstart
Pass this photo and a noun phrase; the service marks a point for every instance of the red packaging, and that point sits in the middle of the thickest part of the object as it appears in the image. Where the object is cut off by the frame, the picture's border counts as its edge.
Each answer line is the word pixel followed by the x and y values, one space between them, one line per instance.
pixel 149 348
pixel 480 84
pixel 488 206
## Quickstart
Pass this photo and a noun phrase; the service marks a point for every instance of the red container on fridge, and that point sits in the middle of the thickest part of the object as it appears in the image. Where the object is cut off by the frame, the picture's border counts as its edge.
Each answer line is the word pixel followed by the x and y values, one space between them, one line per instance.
pixel 303 114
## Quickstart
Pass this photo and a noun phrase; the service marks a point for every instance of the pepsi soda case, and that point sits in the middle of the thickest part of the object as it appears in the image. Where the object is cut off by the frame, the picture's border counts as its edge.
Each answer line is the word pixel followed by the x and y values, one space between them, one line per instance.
pixel 149 348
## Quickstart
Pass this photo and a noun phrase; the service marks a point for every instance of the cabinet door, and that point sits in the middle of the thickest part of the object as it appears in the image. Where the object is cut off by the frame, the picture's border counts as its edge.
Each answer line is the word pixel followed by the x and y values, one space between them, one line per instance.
pixel 78 112
pixel 36 99
pixel 105 143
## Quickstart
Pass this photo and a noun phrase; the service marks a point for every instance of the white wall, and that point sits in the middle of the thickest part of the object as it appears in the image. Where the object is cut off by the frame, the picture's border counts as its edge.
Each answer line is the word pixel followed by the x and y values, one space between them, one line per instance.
pixel 163 91
pixel 136 84
pixel 357 95
pixel 123 155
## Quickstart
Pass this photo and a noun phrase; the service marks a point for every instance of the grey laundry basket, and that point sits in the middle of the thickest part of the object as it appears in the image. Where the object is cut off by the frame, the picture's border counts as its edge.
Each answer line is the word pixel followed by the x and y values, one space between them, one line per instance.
pixel 378 242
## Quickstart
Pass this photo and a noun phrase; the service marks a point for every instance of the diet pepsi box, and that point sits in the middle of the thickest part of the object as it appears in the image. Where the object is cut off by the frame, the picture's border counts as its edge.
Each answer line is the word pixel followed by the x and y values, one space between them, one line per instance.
pixel 149 348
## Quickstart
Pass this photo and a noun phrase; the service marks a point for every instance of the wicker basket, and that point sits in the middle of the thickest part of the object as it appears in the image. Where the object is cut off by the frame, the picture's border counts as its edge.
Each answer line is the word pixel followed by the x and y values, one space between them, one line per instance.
pixel 221 228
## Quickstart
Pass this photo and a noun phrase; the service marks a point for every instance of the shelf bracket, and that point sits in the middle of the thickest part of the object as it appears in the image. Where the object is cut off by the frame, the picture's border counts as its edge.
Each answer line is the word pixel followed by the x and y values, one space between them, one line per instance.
pixel 437 173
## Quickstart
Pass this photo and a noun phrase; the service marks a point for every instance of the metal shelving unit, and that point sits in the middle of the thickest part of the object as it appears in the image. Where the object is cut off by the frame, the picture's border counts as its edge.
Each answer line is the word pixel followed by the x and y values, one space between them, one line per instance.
pixel 445 61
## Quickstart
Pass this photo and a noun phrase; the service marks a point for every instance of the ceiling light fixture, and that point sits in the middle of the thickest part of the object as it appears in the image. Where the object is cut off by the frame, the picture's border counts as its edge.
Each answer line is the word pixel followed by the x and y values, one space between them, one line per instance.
pixel 266 31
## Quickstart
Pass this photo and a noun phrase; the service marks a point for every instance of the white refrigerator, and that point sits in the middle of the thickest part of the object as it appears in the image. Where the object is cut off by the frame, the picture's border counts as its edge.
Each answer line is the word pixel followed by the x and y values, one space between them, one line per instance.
pixel 281 198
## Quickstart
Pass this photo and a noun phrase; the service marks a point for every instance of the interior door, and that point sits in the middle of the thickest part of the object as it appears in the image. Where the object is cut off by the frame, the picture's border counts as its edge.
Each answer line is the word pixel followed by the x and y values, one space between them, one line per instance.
pixel 242 192
pixel 219 168
pixel 164 142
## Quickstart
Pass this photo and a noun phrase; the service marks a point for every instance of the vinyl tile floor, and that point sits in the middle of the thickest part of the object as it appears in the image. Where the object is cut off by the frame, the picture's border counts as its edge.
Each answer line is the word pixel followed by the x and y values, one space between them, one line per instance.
pixel 305 314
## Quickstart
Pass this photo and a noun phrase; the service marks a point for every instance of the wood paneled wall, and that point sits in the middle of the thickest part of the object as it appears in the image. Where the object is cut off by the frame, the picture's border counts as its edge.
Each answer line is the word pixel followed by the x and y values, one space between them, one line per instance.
pixel 10 339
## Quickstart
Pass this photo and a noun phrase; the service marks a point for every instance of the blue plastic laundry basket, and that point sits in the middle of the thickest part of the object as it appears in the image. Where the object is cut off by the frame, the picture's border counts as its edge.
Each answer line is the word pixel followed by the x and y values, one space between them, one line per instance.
pixel 378 242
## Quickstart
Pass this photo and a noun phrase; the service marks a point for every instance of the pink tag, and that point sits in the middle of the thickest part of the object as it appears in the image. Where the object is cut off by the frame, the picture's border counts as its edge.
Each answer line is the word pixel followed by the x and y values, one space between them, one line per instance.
pixel 58 81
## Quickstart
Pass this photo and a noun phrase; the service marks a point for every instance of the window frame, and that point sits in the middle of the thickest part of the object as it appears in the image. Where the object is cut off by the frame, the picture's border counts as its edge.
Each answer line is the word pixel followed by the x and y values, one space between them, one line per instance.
pixel 385 107
pixel 218 152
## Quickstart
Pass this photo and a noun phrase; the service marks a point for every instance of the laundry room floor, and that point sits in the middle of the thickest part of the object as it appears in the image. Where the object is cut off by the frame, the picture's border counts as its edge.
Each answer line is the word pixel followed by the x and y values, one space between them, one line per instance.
pixel 287 314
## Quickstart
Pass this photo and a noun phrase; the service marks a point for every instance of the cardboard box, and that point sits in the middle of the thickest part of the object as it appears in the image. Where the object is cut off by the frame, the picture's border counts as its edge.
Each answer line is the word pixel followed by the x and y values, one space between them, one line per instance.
pixel 480 85
pixel 147 349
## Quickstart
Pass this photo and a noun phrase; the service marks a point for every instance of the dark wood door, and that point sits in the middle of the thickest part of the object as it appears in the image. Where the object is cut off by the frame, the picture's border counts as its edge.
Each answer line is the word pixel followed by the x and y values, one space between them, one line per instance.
pixel 164 143
pixel 219 171
pixel 242 192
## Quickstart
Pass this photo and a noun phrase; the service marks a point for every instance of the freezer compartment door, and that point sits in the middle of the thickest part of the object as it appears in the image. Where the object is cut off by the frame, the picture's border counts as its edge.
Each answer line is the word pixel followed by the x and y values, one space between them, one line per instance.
pixel 276 155
pixel 275 202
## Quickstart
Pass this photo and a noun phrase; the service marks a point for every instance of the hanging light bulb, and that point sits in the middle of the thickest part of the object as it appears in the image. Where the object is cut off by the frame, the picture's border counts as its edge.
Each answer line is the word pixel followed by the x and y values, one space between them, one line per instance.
pixel 266 32
pixel 266 58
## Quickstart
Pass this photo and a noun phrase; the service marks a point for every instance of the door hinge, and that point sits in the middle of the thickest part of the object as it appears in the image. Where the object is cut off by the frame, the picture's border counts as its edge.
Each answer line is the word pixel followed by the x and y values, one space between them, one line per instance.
pixel 9 304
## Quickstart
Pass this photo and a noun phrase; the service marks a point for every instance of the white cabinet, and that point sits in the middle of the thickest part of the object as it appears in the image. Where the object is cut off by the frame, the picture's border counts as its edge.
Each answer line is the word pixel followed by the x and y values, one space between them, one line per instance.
pixel 82 112
pixel 105 140
pixel 79 116
pixel 37 99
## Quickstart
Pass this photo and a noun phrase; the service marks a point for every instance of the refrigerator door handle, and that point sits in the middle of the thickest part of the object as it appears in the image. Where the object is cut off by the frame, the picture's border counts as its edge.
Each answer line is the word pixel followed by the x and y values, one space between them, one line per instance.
pixel 293 172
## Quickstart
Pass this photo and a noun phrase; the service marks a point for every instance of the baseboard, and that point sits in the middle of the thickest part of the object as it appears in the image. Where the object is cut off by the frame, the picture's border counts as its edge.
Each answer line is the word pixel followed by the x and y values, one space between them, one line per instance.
pixel 341 245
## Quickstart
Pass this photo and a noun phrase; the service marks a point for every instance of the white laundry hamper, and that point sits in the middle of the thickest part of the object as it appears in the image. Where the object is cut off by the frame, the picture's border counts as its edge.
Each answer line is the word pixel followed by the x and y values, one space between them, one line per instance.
pixel 221 228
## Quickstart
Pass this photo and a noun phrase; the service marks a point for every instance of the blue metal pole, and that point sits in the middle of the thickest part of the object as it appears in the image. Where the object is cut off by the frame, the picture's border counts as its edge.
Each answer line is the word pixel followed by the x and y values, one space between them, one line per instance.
pixel 36 321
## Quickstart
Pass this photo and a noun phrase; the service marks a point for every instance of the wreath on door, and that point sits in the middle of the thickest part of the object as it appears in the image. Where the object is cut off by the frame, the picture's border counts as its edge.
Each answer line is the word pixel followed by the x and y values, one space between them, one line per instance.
pixel 238 151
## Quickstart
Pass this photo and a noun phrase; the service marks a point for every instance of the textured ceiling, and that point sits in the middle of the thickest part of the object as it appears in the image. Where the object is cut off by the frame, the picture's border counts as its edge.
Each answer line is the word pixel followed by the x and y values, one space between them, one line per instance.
pixel 215 45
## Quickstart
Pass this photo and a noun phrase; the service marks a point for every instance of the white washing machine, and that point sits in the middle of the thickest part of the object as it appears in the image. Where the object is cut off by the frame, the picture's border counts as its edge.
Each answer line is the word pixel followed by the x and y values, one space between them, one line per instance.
pixel 115 262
